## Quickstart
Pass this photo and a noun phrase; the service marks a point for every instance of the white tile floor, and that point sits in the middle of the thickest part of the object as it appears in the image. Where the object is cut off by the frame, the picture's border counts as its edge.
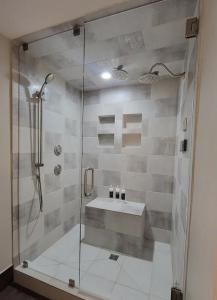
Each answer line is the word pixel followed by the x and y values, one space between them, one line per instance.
pixel 127 278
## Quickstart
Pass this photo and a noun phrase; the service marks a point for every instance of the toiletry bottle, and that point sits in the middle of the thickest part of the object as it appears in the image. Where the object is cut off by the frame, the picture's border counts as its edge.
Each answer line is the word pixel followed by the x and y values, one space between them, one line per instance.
pixel 123 194
pixel 111 192
pixel 117 193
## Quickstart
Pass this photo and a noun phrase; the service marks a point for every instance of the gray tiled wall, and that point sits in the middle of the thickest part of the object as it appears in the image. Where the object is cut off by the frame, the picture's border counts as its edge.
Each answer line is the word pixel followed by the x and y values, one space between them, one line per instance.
pixel 61 194
pixel 146 170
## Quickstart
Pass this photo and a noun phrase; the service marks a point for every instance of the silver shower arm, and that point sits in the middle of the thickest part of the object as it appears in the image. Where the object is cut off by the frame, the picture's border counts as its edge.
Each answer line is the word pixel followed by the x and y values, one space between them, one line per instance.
pixel 172 74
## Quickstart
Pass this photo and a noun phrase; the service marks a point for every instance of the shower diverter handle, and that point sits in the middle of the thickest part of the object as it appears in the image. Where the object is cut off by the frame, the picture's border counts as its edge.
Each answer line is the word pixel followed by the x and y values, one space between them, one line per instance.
pixel 86 194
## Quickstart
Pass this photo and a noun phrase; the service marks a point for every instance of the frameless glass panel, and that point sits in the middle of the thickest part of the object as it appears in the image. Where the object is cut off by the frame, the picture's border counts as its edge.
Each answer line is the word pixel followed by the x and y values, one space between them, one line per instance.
pixel 133 239
pixel 49 154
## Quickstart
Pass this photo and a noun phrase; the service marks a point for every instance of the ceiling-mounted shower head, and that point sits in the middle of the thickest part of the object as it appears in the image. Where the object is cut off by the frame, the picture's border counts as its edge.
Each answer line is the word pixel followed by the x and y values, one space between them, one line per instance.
pixel 119 73
pixel 153 76
pixel 149 78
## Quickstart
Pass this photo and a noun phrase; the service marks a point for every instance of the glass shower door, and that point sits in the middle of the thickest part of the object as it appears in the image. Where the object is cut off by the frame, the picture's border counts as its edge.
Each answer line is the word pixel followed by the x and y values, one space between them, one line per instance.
pixel 48 154
pixel 135 194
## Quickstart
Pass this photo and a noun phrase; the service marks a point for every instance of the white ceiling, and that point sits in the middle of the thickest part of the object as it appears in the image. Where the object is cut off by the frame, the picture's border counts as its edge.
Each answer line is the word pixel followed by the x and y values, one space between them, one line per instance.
pixel 136 38
pixel 21 17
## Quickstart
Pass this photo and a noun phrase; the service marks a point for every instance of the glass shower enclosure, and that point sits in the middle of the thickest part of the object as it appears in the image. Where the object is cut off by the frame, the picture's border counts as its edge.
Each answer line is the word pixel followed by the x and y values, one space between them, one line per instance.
pixel 100 185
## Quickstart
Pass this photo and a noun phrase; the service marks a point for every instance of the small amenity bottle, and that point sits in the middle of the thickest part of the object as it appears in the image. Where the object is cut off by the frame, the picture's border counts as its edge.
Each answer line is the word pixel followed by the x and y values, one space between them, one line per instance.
pixel 111 192
pixel 123 194
pixel 117 193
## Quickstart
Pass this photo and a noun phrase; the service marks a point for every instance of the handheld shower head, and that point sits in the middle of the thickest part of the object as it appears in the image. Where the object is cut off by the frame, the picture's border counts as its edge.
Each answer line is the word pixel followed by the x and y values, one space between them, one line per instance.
pixel 153 76
pixel 49 77
pixel 38 94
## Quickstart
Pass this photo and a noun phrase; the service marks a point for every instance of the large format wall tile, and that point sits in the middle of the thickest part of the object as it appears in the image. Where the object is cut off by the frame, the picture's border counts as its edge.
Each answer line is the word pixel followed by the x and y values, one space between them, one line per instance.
pixel 52 183
pixel 52 220
pixel 70 161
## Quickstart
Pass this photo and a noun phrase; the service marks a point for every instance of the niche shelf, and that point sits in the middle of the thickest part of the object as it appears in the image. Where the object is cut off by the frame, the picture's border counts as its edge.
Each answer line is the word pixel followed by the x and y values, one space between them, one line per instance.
pixel 132 122
pixel 131 139
pixel 132 129
pixel 106 139
pixel 107 119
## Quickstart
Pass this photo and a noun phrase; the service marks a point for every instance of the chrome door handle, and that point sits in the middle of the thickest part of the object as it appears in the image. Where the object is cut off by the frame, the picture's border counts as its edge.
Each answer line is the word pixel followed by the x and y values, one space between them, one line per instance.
pixel 86 194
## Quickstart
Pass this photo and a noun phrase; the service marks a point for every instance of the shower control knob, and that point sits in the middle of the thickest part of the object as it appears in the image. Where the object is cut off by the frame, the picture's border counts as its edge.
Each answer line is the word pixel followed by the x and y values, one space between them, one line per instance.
pixel 57 150
pixel 57 170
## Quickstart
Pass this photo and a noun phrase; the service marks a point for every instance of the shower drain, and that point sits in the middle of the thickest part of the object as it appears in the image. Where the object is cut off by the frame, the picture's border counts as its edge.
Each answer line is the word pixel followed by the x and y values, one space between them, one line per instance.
pixel 114 257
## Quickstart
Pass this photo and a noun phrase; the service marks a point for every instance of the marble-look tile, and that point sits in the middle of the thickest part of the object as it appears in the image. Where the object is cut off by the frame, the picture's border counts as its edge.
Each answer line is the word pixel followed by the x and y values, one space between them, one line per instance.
pixel 70 193
pixel 23 165
pixel 161 235
pixel 136 196
pixel 165 107
pixel 161 165
pixel 95 217
pixel 136 164
pixel 102 263
pixel 68 224
pixel 28 211
pixel 123 292
pixel 89 129
pixel 162 275
pixel 53 100
pixel 52 183
pixel 90 160
pixel 156 201
pixel 136 181
pixel 70 161
pixel 111 178
pixel 52 139
pixel 136 274
pixel 52 220
pixel 162 183
pixel 170 53
pixel 164 146
pixel 162 127
pixel 111 162
pixel 24 114
pixel 161 220
pixel 96 286
pixel 70 127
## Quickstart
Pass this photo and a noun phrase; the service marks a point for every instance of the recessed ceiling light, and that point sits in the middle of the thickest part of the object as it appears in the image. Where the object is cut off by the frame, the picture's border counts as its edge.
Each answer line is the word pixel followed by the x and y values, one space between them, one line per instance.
pixel 106 75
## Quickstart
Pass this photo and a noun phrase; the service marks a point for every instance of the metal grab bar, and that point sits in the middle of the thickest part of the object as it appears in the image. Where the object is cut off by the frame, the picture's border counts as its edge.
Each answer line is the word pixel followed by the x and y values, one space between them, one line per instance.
pixel 86 194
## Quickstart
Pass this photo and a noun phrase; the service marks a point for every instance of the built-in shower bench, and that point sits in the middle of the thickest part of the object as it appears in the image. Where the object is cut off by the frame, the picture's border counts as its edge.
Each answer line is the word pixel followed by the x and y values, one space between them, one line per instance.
pixel 117 225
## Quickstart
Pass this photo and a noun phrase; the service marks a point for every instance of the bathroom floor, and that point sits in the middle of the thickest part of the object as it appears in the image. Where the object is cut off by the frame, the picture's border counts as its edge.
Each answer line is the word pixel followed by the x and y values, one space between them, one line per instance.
pixel 126 278
pixel 13 293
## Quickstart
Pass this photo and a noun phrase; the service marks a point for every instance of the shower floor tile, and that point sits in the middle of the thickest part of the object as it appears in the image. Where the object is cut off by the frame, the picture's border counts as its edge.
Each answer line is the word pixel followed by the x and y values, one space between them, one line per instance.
pixel 126 278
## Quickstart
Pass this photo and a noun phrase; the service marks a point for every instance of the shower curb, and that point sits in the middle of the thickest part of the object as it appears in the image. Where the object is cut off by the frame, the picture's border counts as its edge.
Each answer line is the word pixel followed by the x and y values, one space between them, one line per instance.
pixel 46 286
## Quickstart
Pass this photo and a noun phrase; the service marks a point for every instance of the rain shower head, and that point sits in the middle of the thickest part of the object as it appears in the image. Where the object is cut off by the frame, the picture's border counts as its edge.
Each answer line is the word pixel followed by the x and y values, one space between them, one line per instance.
pixel 153 76
pixel 149 78
pixel 119 73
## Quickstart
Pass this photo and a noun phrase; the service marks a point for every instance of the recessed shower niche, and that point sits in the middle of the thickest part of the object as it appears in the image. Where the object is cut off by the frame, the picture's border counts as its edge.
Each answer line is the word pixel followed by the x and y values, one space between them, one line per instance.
pixel 106 129
pixel 132 128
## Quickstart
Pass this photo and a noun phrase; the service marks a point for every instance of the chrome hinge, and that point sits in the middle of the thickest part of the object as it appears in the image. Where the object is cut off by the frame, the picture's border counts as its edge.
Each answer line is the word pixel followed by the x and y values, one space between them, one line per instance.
pixel 192 28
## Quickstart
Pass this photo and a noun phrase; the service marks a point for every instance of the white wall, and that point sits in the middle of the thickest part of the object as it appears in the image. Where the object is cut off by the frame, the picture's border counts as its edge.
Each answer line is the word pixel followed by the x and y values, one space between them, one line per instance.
pixel 202 267
pixel 5 188
pixel 21 17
